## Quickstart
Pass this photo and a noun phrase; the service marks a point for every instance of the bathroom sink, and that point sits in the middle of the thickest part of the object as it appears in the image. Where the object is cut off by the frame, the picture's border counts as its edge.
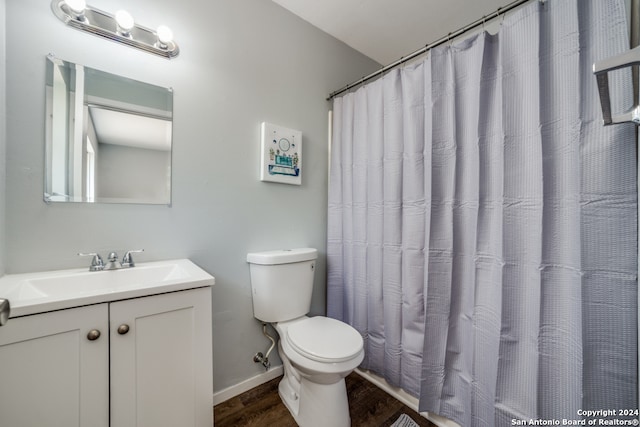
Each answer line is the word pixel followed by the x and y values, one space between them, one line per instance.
pixel 32 293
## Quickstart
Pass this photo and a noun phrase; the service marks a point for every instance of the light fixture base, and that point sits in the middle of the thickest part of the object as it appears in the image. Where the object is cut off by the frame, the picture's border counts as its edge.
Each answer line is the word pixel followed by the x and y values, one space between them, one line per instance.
pixel 103 24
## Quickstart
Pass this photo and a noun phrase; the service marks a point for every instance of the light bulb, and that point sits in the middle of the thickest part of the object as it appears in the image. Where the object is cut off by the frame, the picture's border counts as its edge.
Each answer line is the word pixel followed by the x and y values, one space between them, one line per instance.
pixel 165 35
pixel 124 21
pixel 76 6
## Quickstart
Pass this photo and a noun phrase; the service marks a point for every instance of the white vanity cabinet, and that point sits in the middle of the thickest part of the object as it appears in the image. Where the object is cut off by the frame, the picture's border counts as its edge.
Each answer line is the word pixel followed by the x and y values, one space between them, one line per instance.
pixel 51 374
pixel 150 366
pixel 161 367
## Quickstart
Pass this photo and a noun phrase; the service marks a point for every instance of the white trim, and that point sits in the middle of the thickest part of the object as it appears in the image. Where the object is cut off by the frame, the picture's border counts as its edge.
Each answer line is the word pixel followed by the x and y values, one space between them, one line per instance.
pixel 329 144
pixel 246 385
pixel 404 397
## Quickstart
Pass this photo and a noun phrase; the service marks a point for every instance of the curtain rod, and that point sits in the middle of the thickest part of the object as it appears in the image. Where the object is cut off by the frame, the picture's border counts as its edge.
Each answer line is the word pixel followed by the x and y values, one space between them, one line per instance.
pixel 426 48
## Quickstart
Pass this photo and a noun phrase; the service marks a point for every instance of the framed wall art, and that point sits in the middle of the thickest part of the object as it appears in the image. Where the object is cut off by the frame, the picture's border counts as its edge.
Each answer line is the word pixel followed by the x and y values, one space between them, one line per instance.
pixel 281 155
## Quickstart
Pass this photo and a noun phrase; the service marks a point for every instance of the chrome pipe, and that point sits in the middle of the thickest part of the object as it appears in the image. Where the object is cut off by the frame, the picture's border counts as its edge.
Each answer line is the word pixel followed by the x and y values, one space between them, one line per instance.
pixel 264 358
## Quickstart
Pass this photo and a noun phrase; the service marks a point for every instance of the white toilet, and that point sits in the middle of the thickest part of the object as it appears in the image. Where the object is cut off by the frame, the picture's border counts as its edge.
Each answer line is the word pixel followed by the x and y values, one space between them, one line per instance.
pixel 317 352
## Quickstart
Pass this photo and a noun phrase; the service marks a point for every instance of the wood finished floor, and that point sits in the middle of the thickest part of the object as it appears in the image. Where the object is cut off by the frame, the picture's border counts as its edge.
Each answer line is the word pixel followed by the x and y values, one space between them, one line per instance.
pixel 261 406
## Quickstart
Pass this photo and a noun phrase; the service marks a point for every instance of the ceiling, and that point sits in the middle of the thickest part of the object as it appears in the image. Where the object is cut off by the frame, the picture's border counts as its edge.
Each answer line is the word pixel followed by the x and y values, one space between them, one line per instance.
pixel 129 129
pixel 386 30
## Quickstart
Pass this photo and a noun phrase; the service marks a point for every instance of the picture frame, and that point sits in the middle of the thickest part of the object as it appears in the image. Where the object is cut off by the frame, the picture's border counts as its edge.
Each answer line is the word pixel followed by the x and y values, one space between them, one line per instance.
pixel 281 154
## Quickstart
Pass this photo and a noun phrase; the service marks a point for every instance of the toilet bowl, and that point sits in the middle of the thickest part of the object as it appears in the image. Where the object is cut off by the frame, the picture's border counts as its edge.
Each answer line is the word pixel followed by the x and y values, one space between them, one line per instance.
pixel 317 352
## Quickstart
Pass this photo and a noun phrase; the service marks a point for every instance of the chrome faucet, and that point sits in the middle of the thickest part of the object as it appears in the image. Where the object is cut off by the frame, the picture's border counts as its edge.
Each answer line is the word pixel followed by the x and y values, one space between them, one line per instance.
pixel 97 264
pixel 112 262
pixel 127 259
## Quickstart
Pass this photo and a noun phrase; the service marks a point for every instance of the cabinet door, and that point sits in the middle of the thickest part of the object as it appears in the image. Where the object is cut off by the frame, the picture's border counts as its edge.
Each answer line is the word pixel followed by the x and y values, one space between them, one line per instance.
pixel 161 367
pixel 51 374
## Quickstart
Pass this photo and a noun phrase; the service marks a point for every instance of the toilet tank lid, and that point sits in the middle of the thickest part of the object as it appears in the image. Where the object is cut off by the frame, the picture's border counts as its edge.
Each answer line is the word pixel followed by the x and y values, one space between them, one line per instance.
pixel 282 256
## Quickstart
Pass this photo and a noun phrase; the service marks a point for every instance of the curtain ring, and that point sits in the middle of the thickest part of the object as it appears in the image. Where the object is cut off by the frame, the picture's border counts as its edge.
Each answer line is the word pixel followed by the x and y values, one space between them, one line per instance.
pixel 449 39
pixel 504 15
pixel 483 19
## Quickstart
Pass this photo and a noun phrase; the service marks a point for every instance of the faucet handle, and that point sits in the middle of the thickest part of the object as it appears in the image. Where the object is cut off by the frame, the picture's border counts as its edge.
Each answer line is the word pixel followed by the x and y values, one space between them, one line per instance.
pixel 127 259
pixel 96 263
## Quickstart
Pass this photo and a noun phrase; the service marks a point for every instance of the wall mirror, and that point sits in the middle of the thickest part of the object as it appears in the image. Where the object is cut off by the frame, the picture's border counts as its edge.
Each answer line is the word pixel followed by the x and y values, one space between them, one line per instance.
pixel 108 138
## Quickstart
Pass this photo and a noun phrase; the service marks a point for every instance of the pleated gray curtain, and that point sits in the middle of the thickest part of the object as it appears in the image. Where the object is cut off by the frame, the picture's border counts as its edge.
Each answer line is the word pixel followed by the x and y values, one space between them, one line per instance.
pixel 482 223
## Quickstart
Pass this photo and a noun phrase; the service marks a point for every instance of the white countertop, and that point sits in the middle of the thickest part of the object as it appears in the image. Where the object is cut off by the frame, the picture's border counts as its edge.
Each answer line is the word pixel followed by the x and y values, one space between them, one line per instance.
pixel 32 293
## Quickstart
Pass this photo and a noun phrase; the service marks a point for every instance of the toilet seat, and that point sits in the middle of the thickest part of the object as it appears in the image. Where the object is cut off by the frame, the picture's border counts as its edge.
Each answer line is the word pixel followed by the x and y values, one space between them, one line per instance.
pixel 324 339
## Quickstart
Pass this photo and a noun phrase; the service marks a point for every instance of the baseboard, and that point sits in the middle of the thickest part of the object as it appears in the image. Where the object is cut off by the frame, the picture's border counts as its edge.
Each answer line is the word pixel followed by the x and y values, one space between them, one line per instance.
pixel 405 398
pixel 246 385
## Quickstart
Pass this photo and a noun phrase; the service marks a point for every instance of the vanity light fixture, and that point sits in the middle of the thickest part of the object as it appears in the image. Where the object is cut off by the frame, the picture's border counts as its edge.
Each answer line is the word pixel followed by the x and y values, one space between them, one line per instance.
pixel 165 36
pixel 77 7
pixel 124 22
pixel 120 27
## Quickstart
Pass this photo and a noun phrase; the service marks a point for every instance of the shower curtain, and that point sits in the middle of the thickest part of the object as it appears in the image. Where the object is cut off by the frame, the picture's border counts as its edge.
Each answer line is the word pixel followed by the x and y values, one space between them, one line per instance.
pixel 482 228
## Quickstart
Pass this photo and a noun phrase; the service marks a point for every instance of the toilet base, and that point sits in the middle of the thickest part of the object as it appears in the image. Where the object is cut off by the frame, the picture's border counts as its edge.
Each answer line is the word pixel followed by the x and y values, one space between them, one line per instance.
pixel 316 405
pixel 314 392
pixel 290 395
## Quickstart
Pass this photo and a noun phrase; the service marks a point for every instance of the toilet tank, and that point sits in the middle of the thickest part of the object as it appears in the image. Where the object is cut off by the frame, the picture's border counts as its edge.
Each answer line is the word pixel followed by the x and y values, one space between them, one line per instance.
pixel 282 283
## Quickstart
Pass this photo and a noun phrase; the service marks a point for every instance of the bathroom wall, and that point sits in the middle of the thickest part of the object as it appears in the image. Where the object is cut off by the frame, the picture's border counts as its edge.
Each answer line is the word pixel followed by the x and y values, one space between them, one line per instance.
pixel 3 135
pixel 142 171
pixel 241 62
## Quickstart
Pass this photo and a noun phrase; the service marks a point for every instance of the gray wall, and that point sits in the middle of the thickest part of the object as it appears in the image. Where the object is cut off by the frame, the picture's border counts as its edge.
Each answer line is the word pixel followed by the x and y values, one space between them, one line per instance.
pixel 242 62
pixel 132 172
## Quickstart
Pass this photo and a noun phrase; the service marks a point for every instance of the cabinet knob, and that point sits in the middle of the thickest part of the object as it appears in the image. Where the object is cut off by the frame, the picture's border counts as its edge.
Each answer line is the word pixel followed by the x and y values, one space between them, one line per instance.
pixel 5 311
pixel 123 329
pixel 93 335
